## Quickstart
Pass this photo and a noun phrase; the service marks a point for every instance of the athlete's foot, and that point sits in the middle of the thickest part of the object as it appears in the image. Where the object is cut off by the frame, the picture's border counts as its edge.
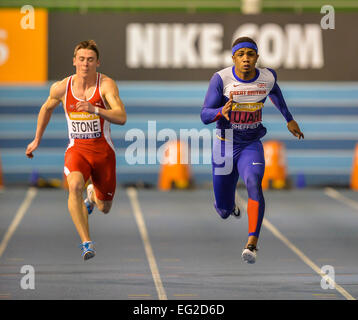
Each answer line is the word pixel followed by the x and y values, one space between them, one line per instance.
pixel 236 213
pixel 88 251
pixel 88 202
pixel 249 254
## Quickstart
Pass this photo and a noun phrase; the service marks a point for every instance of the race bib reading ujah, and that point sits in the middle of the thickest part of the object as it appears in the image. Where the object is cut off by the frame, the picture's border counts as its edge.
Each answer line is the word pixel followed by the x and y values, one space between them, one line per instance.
pixel 84 125
pixel 246 115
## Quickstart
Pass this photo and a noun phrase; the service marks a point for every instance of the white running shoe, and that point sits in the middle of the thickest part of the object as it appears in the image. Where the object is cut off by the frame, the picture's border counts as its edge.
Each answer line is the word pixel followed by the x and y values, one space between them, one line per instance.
pixel 88 251
pixel 249 254
pixel 89 204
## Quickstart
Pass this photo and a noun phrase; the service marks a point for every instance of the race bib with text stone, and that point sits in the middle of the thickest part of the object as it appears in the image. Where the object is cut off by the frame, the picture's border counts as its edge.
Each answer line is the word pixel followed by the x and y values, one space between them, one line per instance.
pixel 83 125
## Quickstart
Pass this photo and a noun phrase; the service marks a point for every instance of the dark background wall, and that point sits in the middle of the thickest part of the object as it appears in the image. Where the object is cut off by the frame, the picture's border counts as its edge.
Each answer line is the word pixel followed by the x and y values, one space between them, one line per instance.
pixel 275 34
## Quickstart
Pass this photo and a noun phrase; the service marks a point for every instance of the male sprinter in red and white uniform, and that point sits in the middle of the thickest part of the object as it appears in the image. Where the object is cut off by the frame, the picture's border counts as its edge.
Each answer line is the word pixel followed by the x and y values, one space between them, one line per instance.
pixel 91 102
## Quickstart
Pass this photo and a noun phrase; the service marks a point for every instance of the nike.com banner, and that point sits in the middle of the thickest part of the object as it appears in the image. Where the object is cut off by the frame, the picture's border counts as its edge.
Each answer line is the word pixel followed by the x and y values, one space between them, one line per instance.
pixel 194 46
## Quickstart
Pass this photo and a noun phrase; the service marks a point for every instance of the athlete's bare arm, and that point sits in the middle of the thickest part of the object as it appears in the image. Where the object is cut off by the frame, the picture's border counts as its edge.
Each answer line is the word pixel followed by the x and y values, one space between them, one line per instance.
pixel 116 114
pixel 57 92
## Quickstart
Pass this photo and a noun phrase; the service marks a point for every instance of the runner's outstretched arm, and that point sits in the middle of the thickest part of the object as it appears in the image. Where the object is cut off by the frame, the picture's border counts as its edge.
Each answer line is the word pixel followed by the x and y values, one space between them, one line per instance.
pixel 279 101
pixel 44 117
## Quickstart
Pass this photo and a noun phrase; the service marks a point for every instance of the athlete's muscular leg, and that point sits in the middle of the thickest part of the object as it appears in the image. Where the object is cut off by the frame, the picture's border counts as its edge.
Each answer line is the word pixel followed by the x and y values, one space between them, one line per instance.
pixel 104 180
pixel 251 166
pixel 224 183
pixel 78 211
pixel 224 192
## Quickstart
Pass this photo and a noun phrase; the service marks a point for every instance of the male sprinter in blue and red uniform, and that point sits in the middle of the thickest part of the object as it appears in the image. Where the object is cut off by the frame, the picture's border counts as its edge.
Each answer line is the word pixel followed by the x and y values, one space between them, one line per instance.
pixel 235 99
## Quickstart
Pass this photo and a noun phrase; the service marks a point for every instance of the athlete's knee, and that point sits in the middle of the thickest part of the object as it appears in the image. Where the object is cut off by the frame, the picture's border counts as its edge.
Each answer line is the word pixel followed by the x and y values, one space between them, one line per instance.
pixel 104 207
pixel 254 181
pixel 254 188
pixel 106 210
pixel 223 212
pixel 75 186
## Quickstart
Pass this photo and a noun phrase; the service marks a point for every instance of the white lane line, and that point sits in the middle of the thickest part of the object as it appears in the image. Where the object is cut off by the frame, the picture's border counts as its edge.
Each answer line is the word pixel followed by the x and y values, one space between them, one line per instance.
pixel 30 195
pixel 133 196
pixel 340 197
pixel 242 203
